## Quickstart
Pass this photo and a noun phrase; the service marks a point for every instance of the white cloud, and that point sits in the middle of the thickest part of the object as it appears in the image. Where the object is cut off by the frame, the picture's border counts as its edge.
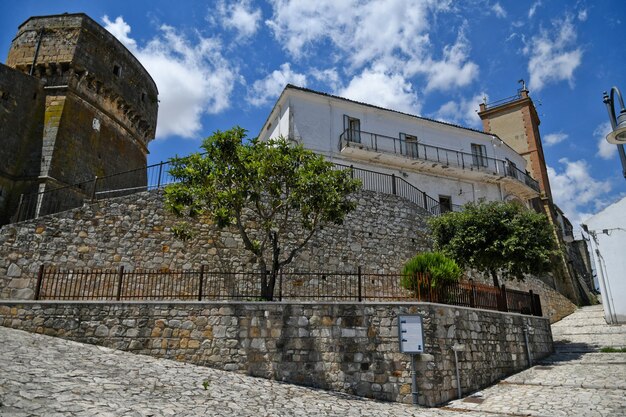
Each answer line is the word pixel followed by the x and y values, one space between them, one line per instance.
pixel 390 91
pixel 553 56
pixel 392 36
pixel 582 15
pixel 498 10
pixel 554 138
pixel 240 16
pixel 270 87
pixel 329 77
pixel 121 30
pixel 453 70
pixel 605 149
pixel 533 9
pixel 575 191
pixel 193 78
pixel 365 29
pixel 462 112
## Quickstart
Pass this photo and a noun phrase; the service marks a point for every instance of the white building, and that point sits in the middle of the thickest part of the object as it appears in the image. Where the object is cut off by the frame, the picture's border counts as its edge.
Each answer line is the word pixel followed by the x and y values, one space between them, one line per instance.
pixel 608 245
pixel 452 164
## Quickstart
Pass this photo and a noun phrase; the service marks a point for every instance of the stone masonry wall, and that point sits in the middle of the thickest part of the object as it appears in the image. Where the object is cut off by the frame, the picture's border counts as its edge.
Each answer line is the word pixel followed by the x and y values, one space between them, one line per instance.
pixel 343 347
pixel 21 126
pixel 136 232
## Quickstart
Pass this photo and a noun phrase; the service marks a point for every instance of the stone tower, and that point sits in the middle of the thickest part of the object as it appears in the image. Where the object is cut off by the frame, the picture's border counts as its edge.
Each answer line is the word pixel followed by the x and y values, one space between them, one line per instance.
pixel 516 122
pixel 76 105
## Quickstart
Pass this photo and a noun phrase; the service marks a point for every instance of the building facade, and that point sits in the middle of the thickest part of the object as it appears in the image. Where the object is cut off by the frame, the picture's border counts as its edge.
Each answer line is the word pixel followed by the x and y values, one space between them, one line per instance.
pixel 75 104
pixel 607 231
pixel 452 164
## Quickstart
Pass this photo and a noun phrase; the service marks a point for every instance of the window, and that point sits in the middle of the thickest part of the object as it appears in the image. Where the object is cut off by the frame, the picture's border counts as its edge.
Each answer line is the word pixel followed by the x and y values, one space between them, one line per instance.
pixel 410 143
pixel 445 203
pixel 352 128
pixel 117 70
pixel 479 155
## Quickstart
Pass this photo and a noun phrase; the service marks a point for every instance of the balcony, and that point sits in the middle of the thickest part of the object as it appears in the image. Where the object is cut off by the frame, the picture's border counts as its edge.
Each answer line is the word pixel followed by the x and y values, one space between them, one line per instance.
pixel 374 147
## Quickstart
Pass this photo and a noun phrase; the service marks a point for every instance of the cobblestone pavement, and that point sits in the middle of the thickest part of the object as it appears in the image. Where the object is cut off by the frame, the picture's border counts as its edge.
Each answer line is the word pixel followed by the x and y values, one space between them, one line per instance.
pixel 44 376
pixel 577 380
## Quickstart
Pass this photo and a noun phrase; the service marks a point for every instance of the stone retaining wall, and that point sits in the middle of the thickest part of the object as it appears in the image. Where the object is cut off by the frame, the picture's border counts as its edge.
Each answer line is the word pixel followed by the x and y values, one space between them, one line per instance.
pixel 136 232
pixel 343 347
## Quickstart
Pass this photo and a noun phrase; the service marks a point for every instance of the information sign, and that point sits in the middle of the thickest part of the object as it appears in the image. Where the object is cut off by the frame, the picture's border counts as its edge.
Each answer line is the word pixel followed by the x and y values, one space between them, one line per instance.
pixel 411 334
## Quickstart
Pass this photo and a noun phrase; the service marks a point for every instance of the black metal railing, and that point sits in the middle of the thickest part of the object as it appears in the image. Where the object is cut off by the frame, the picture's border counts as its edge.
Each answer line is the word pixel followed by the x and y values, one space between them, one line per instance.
pixel 394 185
pixel 447 157
pixel 67 197
pixel 502 101
pixel 203 285
pixel 156 176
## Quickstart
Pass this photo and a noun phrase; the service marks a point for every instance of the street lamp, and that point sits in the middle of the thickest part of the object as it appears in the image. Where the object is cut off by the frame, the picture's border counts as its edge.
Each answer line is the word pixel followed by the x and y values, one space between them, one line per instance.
pixel 618 134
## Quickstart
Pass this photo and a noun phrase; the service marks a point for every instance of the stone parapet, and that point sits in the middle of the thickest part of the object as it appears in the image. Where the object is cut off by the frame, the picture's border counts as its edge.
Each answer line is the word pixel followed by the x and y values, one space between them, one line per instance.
pixel 342 347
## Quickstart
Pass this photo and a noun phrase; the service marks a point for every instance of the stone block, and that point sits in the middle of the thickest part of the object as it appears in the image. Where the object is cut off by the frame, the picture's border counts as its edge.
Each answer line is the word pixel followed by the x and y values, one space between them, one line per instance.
pixel 14 271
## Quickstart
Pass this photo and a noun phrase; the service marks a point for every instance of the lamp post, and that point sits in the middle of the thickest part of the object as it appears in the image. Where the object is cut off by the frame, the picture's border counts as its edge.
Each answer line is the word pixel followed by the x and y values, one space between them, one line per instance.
pixel 618 125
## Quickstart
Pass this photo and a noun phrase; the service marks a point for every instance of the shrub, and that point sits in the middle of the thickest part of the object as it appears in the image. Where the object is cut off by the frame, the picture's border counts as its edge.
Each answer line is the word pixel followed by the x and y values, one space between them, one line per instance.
pixel 439 267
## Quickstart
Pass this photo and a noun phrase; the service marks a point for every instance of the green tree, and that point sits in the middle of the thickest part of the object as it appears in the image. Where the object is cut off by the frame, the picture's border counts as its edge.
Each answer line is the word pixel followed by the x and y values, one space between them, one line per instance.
pixel 275 194
pixel 439 267
pixel 496 237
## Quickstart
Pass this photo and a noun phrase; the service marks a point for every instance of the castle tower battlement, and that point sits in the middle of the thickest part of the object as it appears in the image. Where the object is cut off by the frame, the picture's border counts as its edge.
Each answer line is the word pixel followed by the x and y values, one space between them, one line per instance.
pixel 97 109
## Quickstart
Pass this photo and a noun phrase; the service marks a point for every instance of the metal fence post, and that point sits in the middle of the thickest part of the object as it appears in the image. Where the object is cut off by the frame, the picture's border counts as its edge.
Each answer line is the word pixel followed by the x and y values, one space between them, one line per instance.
pixel 503 302
pixel 472 293
pixel 39 282
pixel 160 171
pixel 280 286
pixel 393 184
pixel 19 207
pixel 119 282
pixel 359 279
pixel 201 283
pixel 93 192
pixel 351 171
pixel 425 197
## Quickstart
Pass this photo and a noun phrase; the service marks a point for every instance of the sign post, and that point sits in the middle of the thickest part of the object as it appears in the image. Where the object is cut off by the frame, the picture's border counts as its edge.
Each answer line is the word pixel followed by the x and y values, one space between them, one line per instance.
pixel 411 336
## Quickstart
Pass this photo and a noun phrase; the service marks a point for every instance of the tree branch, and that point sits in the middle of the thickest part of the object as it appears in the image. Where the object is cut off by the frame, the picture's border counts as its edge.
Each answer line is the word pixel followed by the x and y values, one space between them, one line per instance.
pixel 244 236
pixel 295 250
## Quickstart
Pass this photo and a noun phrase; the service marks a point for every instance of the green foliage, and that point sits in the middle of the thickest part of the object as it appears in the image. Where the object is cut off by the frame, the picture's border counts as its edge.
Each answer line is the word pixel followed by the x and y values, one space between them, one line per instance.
pixel 265 190
pixel 496 236
pixel 610 349
pixel 182 231
pixel 205 384
pixel 439 267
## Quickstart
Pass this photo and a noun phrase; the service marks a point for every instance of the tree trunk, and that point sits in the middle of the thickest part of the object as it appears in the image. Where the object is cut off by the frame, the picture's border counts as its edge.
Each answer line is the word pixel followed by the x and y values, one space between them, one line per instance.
pixel 494 276
pixel 268 282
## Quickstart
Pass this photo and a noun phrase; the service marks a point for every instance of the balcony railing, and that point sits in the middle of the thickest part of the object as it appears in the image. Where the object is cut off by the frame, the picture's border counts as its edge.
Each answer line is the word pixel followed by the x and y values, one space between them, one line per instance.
pixel 449 157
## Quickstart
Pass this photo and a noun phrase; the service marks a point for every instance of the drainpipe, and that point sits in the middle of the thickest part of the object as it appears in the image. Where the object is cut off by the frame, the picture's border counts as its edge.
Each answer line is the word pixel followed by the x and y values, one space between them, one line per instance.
pixel 32 67
pixel 528 353
pixel 607 290
pixel 457 347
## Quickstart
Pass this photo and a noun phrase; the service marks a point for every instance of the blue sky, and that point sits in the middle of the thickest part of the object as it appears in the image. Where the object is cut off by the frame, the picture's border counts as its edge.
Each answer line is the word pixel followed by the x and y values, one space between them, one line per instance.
pixel 223 63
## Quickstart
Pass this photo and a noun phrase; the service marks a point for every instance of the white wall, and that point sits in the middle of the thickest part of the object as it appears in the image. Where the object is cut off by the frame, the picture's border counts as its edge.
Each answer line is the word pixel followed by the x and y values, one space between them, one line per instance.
pixel 317 121
pixel 608 243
